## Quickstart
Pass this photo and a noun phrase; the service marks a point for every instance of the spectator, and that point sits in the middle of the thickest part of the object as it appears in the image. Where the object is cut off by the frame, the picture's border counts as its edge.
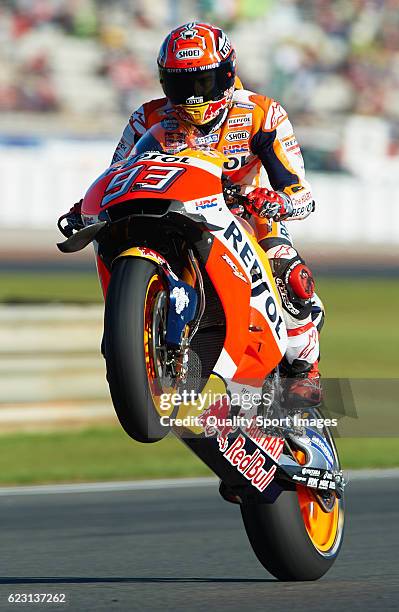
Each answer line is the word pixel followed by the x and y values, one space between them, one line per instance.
pixel 336 56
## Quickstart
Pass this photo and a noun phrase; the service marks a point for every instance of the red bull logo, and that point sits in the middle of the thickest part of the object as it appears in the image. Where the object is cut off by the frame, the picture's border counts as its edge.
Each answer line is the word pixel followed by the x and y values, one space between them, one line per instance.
pixel 215 419
pixel 216 422
pixel 250 465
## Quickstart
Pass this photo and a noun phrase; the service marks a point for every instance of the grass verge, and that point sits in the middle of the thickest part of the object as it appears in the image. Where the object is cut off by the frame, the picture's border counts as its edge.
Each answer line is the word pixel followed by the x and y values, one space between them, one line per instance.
pixel 107 453
pixel 49 287
pixel 352 344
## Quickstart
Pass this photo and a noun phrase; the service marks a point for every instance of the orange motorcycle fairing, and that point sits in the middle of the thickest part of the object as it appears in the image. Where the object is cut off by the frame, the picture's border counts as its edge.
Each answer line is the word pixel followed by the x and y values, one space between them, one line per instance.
pixel 255 333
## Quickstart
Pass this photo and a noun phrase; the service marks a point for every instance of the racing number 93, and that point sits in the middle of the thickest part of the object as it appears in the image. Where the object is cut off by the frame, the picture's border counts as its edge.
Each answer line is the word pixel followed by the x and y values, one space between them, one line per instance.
pixel 147 178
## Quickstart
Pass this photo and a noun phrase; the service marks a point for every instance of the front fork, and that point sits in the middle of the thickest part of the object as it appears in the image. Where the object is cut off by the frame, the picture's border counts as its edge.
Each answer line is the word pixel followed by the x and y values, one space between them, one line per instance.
pixel 185 305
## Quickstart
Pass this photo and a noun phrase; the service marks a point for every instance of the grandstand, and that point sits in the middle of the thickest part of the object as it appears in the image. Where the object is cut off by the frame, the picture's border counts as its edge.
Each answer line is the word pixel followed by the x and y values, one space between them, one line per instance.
pixel 72 71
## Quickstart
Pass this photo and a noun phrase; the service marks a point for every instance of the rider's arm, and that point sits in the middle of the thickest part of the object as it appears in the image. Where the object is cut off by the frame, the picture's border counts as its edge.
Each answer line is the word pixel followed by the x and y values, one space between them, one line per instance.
pixel 277 148
pixel 149 114
pixel 131 134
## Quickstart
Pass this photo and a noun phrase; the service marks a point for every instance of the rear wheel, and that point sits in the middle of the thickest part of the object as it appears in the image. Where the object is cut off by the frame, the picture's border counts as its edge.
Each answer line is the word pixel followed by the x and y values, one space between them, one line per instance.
pixel 294 538
pixel 135 352
pixel 299 536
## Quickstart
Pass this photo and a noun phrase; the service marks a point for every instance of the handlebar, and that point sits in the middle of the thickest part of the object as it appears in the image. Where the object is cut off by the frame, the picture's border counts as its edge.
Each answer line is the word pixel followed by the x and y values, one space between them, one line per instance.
pixel 234 198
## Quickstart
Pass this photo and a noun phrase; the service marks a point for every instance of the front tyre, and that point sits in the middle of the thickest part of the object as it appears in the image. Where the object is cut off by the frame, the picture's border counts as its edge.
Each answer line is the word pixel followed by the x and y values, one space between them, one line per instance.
pixel 134 332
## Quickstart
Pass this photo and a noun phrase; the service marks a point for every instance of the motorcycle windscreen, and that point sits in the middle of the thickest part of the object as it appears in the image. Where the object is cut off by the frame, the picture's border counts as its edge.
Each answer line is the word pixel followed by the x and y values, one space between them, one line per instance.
pixel 153 174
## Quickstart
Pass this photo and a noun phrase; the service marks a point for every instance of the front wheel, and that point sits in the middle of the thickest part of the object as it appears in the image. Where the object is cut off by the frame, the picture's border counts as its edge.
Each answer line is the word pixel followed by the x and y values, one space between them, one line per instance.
pixel 134 332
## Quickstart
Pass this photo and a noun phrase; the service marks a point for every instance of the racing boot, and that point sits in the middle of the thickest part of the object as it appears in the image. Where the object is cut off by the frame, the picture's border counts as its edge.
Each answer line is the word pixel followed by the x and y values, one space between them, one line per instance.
pixel 228 494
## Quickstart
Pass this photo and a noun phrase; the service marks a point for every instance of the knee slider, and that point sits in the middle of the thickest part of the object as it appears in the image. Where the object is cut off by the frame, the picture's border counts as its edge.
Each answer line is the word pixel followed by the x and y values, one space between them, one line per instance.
pixel 295 283
pixel 301 281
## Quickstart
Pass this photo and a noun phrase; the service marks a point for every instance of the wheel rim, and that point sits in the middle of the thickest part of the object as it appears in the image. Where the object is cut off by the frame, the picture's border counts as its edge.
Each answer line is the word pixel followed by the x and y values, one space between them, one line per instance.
pixel 322 527
pixel 155 319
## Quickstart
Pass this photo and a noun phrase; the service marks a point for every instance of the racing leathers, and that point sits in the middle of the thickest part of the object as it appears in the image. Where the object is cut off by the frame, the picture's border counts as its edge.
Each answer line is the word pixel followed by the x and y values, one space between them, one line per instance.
pixel 258 139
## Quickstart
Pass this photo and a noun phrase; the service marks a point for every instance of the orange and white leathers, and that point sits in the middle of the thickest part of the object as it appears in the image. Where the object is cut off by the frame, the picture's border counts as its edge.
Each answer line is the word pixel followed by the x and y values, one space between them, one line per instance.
pixel 258 139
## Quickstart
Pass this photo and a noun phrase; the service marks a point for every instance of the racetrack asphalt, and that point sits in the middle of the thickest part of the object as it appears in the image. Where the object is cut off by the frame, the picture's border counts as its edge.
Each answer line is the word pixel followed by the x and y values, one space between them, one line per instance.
pixel 185 549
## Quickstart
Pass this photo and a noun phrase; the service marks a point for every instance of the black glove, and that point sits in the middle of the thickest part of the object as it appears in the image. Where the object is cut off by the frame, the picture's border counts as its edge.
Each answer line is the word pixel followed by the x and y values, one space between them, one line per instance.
pixel 73 220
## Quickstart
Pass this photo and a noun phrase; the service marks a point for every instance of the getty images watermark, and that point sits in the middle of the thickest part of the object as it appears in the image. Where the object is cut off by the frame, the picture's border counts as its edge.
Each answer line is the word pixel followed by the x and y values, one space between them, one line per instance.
pixel 215 411
pixel 202 400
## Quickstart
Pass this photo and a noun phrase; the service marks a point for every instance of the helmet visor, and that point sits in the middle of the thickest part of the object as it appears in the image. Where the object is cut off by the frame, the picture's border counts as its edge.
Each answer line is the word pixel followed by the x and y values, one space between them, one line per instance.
pixel 199 86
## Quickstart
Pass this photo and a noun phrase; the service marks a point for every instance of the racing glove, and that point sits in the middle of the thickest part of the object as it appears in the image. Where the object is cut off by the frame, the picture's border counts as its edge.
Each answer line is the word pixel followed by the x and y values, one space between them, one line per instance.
pixel 73 220
pixel 270 204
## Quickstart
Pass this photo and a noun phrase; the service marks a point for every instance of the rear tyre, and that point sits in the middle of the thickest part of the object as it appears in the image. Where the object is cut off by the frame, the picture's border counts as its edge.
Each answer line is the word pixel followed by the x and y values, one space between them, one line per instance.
pixel 299 536
pixel 134 330
pixel 286 541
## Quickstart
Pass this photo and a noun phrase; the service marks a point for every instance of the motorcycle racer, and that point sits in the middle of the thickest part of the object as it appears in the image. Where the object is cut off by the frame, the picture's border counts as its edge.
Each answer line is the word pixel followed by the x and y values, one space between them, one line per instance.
pixel 206 106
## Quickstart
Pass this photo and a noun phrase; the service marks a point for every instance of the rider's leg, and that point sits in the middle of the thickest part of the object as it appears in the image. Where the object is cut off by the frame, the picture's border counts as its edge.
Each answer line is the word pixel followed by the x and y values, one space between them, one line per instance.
pixel 303 315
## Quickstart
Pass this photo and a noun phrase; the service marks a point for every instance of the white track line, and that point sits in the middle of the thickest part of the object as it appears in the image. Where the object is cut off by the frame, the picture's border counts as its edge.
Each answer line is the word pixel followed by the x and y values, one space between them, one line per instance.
pixel 372 473
pixel 172 483
pixel 101 487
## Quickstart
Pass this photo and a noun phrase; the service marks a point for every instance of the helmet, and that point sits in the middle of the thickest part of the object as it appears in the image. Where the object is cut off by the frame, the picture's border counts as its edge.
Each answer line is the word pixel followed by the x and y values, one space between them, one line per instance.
pixel 197 70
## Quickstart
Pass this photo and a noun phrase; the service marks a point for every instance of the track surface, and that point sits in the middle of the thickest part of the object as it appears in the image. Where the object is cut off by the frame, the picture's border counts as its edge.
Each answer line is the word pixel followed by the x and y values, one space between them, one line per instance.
pixel 185 549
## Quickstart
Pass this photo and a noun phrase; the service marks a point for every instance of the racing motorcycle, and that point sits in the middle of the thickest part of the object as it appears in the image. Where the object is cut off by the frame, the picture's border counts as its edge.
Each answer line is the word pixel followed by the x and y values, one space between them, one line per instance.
pixel 193 338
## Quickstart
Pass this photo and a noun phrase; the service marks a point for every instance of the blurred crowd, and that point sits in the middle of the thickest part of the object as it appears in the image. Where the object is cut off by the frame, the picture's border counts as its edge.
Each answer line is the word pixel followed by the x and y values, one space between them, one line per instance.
pixel 319 57
pixel 340 56
pixel 76 56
